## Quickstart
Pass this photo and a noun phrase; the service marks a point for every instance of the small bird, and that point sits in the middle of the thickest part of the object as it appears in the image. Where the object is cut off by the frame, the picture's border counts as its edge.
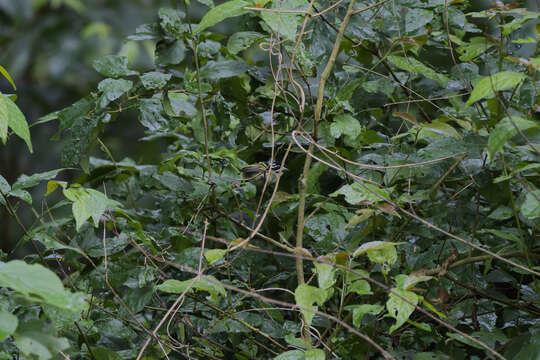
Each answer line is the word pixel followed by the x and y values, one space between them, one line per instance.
pixel 262 170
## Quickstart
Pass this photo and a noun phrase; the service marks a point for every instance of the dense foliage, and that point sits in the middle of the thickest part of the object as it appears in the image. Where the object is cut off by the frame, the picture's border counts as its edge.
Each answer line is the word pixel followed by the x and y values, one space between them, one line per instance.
pixel 402 221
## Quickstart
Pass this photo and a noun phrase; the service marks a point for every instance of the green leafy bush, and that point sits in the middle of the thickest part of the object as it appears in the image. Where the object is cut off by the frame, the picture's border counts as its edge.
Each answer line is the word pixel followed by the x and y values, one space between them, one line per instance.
pixel 405 225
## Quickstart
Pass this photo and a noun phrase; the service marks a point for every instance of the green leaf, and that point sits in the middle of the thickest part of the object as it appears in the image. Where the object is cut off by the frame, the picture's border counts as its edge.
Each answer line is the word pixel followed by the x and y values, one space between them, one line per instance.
pixel 313 178
pixel 8 324
pixel 206 283
pixel 172 20
pixel 5 73
pixel 221 12
pixel 439 128
pixel 413 65
pixel 360 287
pixel 214 255
pixel 345 124
pixel 113 66
pixel 416 18
pixel 40 284
pixel 242 40
pixel 306 296
pixel 380 252
pixel 25 181
pixel 488 85
pixel 531 206
pixel 505 130
pixel 88 203
pixel 291 355
pixel 105 354
pixel 4 185
pixel 326 275
pixel 475 47
pixel 17 121
pixel 4 118
pixel 517 23
pixel 21 194
pixel 170 53
pixel 33 339
pixel 283 23
pixel 114 88
pixel 411 280
pixel 223 69
pixel 315 354
pixel 399 309
pixel 154 80
pixel 180 105
pixel 356 194
pixel 360 310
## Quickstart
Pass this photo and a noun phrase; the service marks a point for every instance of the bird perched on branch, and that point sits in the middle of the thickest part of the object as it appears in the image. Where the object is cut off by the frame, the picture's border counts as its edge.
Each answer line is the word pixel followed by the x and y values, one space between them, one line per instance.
pixel 262 170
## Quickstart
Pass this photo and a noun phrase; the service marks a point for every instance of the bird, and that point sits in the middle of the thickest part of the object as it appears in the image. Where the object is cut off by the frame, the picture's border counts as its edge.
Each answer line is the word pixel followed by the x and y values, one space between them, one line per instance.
pixel 262 170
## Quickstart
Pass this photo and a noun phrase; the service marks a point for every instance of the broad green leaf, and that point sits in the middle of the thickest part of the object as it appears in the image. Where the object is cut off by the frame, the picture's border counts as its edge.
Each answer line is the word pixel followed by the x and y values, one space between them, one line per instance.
pixel 306 296
pixel 531 206
pixel 114 88
pixel 360 287
pixel 475 47
pixel 223 69
pixel 356 193
pixel 399 309
pixel 360 310
pixel 53 185
pixel 113 66
pixel 315 354
pixel 206 283
pixel 326 274
pixel 214 255
pixel 88 203
pixel 283 23
pixel 170 53
pixel 154 80
pixel 180 105
pixel 498 82
pixel 25 181
pixel 407 282
pixel 313 178
pixel 4 118
pixel 4 185
pixel 505 130
pixel 21 194
pixel 345 124
pixel 172 20
pixel 221 12
pixel 40 284
pixel 5 73
pixel 8 324
pixel 49 242
pixel 102 353
pixel 517 23
pixel 242 40
pixel 380 252
pixel 416 18
pixel 209 3
pixel 291 355
pixel 17 121
pixel 413 65
pixel 36 342
pixel 439 128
